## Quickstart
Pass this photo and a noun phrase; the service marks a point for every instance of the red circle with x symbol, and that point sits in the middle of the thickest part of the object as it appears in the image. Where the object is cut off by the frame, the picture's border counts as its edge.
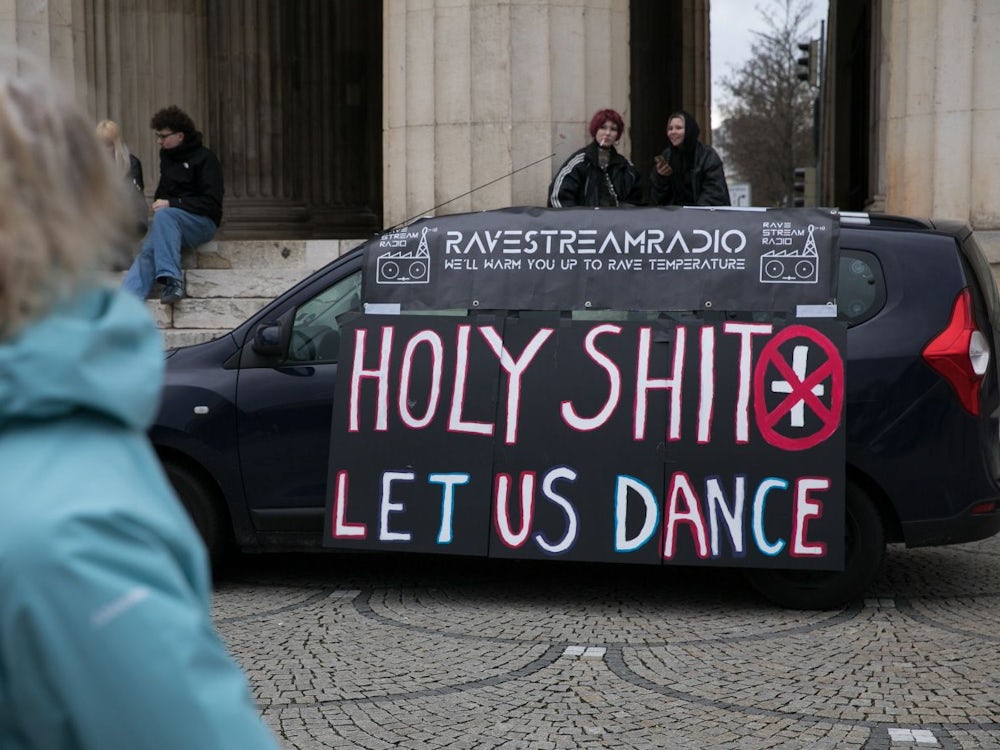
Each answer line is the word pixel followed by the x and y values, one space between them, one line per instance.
pixel 801 390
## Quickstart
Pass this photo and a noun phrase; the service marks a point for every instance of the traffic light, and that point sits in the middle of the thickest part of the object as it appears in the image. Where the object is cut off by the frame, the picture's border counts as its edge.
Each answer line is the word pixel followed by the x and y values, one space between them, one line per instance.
pixel 808 63
pixel 799 187
pixel 804 187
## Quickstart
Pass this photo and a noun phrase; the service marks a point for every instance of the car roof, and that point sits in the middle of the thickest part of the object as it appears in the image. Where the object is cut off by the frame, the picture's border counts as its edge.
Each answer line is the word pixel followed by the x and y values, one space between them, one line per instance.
pixel 953 227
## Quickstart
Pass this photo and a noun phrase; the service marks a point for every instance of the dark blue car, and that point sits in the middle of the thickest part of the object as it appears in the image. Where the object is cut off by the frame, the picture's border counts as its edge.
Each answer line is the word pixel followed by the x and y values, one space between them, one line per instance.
pixel 244 429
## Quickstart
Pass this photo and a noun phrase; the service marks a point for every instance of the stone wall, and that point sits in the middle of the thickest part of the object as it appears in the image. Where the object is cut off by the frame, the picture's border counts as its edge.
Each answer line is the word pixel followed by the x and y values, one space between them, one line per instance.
pixel 940 112
pixel 475 91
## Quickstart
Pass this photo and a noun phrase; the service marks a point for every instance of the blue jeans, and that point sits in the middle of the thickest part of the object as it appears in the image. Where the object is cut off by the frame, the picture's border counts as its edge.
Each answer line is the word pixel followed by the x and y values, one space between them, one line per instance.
pixel 160 256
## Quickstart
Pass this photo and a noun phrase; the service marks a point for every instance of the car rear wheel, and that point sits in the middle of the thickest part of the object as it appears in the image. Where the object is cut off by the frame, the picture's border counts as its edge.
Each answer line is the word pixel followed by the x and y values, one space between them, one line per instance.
pixel 205 510
pixel 864 552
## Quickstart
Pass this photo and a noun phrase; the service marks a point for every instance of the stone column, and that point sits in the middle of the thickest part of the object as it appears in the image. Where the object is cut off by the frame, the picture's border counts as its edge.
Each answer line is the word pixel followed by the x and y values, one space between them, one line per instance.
pixel 294 92
pixel 52 32
pixel 475 91
pixel 695 65
pixel 277 88
pixel 942 116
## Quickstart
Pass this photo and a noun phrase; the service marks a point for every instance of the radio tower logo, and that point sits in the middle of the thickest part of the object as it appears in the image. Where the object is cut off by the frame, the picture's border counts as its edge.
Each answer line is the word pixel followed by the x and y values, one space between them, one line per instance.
pixel 405 266
pixel 792 266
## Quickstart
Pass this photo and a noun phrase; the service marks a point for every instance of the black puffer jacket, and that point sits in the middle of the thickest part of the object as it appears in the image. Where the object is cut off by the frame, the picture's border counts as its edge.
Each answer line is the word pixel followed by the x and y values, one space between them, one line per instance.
pixel 191 179
pixel 135 173
pixel 578 181
pixel 135 190
pixel 698 178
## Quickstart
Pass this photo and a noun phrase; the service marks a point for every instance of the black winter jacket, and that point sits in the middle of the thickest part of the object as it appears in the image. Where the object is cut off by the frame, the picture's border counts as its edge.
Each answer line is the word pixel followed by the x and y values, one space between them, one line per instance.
pixel 708 180
pixel 698 177
pixel 577 183
pixel 136 187
pixel 135 173
pixel 191 179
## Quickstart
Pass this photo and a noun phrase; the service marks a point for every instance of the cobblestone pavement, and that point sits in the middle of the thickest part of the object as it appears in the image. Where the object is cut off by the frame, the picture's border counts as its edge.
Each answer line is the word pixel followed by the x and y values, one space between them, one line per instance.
pixel 413 652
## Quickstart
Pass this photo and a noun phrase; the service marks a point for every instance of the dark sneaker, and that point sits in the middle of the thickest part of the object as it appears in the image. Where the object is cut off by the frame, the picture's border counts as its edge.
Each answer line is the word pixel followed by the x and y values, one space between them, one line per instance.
pixel 173 291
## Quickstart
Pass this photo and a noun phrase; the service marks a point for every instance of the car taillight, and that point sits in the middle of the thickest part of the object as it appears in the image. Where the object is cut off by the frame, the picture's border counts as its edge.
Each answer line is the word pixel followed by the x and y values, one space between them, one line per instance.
pixel 961 353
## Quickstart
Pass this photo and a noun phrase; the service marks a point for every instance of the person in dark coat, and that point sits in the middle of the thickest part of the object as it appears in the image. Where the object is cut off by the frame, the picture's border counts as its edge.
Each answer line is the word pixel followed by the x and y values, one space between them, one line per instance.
pixel 688 172
pixel 187 206
pixel 597 175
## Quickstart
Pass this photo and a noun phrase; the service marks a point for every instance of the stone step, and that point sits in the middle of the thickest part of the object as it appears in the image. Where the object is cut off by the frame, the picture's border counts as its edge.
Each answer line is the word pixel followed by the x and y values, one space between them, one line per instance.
pixel 213 314
pixel 265 282
pixel 273 254
pixel 227 281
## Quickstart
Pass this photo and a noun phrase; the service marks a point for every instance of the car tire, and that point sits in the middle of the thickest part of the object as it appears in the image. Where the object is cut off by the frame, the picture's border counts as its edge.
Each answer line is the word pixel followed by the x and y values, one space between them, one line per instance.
pixel 864 553
pixel 205 510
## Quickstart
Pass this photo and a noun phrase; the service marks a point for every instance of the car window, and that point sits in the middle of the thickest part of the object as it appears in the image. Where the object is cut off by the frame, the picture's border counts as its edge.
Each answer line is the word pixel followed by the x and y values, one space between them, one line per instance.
pixel 315 331
pixel 860 287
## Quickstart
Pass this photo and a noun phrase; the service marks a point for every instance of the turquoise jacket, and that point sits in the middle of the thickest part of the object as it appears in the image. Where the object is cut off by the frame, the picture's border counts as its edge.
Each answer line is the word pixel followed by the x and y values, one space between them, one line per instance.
pixel 106 636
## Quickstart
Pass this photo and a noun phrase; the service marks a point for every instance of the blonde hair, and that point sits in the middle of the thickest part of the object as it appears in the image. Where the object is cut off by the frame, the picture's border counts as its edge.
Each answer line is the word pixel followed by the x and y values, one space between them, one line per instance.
pixel 108 130
pixel 63 211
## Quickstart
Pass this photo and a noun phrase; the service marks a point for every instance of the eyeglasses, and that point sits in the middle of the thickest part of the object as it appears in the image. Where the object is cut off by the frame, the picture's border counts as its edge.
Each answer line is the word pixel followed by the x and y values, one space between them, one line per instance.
pixel 164 136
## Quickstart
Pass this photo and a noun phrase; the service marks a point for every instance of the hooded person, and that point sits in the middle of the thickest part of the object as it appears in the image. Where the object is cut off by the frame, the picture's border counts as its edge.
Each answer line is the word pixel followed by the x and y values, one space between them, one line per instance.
pixel 106 633
pixel 597 175
pixel 688 172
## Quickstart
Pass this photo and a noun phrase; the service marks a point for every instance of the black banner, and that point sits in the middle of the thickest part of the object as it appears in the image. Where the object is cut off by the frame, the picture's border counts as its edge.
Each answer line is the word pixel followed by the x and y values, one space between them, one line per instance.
pixel 621 259
pixel 606 440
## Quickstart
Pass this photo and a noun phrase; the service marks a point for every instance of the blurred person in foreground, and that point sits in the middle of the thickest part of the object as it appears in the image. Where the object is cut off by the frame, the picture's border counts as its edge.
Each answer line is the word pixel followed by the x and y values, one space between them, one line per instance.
pixel 688 172
pixel 106 634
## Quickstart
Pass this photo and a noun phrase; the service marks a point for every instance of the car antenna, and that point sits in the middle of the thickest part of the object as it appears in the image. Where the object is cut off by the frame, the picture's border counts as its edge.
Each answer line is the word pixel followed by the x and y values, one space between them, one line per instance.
pixel 469 192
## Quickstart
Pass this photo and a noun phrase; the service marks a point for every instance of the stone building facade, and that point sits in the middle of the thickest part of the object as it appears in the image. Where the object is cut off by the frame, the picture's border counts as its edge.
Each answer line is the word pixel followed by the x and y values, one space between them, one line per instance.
pixel 337 118
pixel 912 121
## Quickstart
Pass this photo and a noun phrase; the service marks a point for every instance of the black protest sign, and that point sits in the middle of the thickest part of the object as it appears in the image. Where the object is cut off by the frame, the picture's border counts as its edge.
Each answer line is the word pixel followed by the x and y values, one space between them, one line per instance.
pixel 556 477
pixel 648 442
pixel 412 436
pixel 619 259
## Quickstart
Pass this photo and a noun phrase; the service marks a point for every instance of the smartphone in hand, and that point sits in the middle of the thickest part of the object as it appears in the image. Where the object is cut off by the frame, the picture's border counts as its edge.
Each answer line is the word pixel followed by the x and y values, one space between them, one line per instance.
pixel 662 165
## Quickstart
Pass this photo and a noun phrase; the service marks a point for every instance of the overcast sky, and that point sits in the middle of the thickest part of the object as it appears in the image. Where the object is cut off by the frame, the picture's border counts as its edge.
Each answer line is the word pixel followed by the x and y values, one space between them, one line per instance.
pixel 732 23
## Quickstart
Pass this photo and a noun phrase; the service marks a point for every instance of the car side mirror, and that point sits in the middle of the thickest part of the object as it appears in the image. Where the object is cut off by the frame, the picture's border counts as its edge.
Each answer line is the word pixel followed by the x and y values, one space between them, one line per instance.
pixel 267 340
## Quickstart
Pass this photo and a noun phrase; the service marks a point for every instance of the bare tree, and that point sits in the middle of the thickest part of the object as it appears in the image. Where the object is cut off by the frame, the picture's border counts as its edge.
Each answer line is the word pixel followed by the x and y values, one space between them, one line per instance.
pixel 767 112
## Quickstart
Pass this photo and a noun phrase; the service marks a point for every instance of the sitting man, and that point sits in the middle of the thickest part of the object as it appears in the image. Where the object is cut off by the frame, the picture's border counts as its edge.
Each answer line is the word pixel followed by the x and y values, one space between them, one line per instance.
pixel 187 206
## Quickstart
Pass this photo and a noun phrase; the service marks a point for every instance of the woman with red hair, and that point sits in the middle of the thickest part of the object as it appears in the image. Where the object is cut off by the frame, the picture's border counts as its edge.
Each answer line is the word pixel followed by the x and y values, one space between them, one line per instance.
pixel 597 175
